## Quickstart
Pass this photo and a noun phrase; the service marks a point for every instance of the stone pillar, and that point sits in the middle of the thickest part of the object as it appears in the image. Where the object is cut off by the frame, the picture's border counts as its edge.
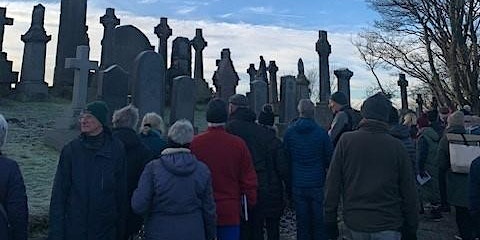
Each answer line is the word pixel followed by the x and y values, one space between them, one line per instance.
pixel 4 21
pixel 109 22
pixel 198 44
pixel 272 71
pixel 32 80
pixel 343 76
pixel 403 83
pixel 324 49
pixel 258 95
pixel 419 104
pixel 163 32
pixel 288 103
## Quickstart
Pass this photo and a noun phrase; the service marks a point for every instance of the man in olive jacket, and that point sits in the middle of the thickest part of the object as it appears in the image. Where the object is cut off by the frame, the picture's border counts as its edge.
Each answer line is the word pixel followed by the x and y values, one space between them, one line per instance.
pixel 371 172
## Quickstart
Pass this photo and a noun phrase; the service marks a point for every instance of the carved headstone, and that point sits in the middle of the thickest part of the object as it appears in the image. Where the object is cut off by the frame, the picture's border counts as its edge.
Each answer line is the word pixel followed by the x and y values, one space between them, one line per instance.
pixel 343 76
pixel 148 83
pixel 288 101
pixel 183 99
pixel 324 49
pixel 225 77
pixel 32 80
pixel 403 83
pixel 272 71
pixel 303 90
pixel 181 59
pixel 113 88
pixel 163 32
pixel 109 22
pixel 259 95
pixel 7 76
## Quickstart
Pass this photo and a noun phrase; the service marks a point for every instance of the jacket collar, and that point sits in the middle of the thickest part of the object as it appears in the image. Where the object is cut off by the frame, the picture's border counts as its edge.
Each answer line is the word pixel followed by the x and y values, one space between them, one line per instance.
pixel 375 126
pixel 175 150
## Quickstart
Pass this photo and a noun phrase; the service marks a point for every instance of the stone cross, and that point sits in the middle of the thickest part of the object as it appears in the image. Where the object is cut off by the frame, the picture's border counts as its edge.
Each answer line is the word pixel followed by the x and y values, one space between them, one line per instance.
pixel 252 72
pixel 198 44
pixel 343 76
pixel 272 71
pixel 403 83
pixel 163 32
pixel 420 104
pixel 324 49
pixel 82 66
pixel 109 22
pixel 3 21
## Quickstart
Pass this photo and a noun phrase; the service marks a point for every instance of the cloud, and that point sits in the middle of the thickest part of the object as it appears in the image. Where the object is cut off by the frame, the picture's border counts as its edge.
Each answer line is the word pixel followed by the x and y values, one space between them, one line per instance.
pixel 269 11
pixel 147 1
pixel 226 15
pixel 186 10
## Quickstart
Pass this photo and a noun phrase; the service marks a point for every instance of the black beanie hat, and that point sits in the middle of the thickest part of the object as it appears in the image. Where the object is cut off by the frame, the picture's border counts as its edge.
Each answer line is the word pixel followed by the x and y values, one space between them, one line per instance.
pixel 217 111
pixel 266 116
pixel 376 107
pixel 393 117
pixel 99 110
pixel 339 97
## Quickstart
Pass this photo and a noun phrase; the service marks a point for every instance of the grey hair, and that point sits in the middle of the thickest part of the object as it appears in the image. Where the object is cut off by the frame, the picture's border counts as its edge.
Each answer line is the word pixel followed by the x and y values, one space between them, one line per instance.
pixel 181 132
pixel 155 121
pixel 125 117
pixel 3 130
pixel 306 108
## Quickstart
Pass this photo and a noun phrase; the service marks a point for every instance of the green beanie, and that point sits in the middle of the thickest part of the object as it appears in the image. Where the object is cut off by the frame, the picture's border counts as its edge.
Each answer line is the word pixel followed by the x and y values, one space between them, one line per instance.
pixel 99 110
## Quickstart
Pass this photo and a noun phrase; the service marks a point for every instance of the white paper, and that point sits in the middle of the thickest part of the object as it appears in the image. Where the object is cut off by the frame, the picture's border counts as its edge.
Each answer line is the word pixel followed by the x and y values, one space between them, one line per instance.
pixel 422 180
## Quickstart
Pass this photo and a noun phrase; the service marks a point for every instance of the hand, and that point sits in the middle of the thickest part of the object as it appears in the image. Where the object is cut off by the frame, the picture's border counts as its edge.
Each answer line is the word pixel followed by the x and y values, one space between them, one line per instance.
pixel 332 230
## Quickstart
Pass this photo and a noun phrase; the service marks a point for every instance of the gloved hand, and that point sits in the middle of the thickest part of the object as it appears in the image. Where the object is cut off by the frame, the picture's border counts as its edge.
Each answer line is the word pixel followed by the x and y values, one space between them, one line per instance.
pixel 332 230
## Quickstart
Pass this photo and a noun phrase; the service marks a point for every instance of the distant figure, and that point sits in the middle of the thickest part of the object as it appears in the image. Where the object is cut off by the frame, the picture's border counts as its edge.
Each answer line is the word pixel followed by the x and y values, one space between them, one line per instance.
pixel 13 198
pixel 175 192
pixel 138 155
pixel 436 124
pixel 230 163
pixel 151 133
pixel 410 120
pixel 89 195
pixel 402 133
pixel 309 149
pixel 372 176
pixel 345 118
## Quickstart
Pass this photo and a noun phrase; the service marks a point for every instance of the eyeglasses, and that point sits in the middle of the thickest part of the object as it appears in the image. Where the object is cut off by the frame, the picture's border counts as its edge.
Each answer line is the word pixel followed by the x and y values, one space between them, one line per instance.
pixel 85 116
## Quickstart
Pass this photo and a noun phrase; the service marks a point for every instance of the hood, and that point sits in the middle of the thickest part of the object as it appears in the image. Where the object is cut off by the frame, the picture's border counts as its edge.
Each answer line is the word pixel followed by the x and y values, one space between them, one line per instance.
pixel 455 129
pixel 400 131
pixel 128 136
pixel 179 161
pixel 374 126
pixel 304 125
pixel 429 132
pixel 244 114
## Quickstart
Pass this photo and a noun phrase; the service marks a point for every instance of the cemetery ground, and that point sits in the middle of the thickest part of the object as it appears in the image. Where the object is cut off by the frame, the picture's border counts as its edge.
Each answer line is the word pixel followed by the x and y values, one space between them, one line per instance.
pixel 28 124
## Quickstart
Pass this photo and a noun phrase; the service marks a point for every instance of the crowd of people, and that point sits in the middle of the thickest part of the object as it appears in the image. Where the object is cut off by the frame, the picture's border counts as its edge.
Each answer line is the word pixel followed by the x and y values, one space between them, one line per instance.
pixel 372 174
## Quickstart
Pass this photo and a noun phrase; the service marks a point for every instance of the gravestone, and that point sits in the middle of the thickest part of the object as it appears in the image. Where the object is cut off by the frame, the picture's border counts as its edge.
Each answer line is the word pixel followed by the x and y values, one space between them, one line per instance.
pixel 32 85
pixel 419 104
pixel 272 70
pixel 181 59
pixel 109 22
pixel 225 79
pixel 113 88
pixel 183 99
pixel 343 76
pixel 262 71
pixel 303 91
pixel 259 95
pixel 163 32
pixel 324 49
pixel 72 32
pixel 7 76
pixel 203 91
pixel 288 100
pixel 252 72
pixel 148 83
pixel 403 83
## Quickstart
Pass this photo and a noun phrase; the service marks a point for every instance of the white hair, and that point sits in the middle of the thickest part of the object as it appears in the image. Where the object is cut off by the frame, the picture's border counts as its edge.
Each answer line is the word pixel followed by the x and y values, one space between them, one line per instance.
pixel 3 130
pixel 181 132
pixel 154 120
pixel 125 117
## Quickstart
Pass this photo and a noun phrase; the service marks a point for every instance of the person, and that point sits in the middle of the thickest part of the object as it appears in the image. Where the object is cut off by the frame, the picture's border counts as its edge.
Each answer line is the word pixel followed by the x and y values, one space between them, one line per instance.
pixel 344 116
pixel 230 163
pixel 175 192
pixel 402 133
pixel 151 132
pixel 372 174
pixel 309 149
pixel 137 156
pixel 410 120
pixel 89 195
pixel 456 183
pixel 474 194
pixel 435 122
pixel 13 197
pixel 427 166
pixel 272 180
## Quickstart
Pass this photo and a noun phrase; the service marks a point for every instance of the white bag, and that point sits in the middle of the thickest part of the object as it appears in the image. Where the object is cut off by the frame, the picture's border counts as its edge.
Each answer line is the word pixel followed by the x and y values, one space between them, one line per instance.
pixel 464 148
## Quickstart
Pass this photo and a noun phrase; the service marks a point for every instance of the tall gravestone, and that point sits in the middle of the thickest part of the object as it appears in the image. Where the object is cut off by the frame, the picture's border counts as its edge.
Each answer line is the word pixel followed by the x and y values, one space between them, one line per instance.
pixel 225 77
pixel 72 32
pixel 324 49
pixel 148 83
pixel 181 59
pixel 259 94
pixel 109 22
pixel 163 32
pixel 199 44
pixel 32 83
pixel 343 76
pixel 183 99
pixel 7 76
pixel 262 71
pixel 303 90
pixel 288 101
pixel 403 83
pixel 272 71
pixel 113 88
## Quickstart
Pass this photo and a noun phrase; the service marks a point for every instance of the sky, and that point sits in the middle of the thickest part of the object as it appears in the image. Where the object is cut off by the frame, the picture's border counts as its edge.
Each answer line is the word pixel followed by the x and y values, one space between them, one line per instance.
pixel 280 30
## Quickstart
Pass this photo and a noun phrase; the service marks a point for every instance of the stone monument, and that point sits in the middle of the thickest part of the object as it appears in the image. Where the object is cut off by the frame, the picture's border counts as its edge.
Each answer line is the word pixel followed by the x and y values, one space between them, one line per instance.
pixel 303 90
pixel 109 22
pixel 181 61
pixel 272 71
pixel 403 83
pixel 343 76
pixel 183 99
pixel 203 91
pixel 225 79
pixel 163 32
pixel 420 103
pixel 7 76
pixel 288 101
pixel 323 115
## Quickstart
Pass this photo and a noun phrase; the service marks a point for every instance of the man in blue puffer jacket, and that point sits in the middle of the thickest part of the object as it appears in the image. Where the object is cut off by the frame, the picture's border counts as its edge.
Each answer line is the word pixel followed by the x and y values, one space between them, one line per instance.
pixel 310 149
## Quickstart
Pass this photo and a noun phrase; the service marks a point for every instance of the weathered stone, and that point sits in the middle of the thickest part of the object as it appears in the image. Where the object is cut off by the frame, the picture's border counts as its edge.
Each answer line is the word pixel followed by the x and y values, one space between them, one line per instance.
pixel 259 95
pixel 272 70
pixel 3 21
pixel 113 88
pixel 403 83
pixel 7 76
pixel 181 59
pixel 343 76
pixel 324 49
pixel 203 91
pixel 163 32
pixel 303 90
pixel 109 22
pixel 252 72
pixel 183 99
pixel 420 103
pixel 225 78
pixel 323 115
pixel 288 101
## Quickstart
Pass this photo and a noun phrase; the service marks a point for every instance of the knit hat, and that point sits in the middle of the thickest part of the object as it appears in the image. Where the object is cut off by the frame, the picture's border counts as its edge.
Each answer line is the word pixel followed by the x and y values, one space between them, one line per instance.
pixel 238 100
pixel 393 117
pixel 456 119
pixel 99 110
pixel 376 107
pixel 217 111
pixel 266 116
pixel 181 132
pixel 339 97
pixel 422 121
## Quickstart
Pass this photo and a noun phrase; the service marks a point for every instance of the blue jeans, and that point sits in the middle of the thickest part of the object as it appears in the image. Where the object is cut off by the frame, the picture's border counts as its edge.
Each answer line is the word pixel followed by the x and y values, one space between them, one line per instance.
pixel 383 235
pixel 309 211
pixel 228 232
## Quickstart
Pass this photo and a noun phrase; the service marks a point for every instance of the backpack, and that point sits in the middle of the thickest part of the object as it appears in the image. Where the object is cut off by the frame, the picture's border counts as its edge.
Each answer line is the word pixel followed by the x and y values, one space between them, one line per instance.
pixel 354 118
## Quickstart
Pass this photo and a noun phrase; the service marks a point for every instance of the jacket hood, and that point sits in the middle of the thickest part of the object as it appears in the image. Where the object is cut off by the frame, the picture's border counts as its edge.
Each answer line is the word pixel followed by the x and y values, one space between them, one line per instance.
pixel 430 133
pixel 245 114
pixel 128 136
pixel 455 129
pixel 399 131
pixel 179 161
pixel 304 125
pixel 372 125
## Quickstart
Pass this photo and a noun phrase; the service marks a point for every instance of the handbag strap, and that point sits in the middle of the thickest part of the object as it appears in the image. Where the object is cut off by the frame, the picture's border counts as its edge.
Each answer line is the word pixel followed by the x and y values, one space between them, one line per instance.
pixel 464 139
